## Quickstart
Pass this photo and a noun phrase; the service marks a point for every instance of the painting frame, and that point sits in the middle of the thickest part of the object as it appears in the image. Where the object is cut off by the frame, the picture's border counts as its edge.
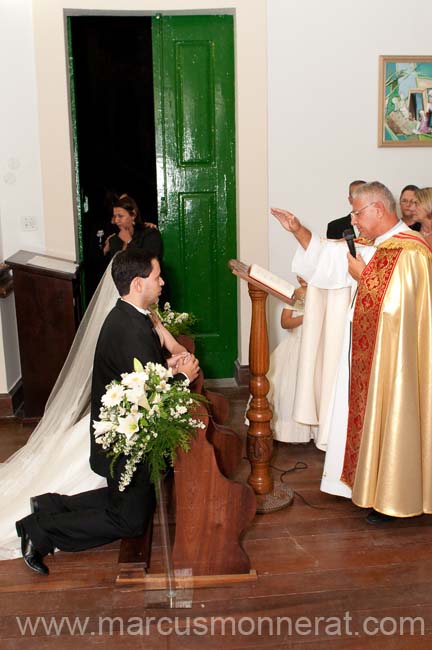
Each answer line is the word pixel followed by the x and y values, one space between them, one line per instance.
pixel 405 101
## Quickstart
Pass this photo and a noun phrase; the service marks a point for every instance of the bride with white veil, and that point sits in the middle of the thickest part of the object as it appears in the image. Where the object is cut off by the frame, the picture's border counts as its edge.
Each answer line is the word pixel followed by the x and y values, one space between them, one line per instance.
pixel 56 456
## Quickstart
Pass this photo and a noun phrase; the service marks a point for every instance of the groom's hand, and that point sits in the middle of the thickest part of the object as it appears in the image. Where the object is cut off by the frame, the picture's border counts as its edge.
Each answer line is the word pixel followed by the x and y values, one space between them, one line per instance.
pixel 174 360
pixel 189 366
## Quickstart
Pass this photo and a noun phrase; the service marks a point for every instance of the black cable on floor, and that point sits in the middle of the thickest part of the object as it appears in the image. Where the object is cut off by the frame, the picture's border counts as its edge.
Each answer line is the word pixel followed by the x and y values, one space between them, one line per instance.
pixel 311 505
pixel 298 467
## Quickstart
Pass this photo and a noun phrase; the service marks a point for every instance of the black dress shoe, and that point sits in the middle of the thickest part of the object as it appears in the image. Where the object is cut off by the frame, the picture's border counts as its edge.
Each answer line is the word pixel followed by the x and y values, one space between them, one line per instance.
pixel 34 505
pixel 31 555
pixel 377 518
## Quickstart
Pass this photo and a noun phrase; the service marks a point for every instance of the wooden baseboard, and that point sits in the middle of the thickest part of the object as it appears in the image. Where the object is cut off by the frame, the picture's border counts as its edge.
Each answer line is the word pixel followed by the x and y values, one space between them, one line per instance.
pixel 10 402
pixel 242 374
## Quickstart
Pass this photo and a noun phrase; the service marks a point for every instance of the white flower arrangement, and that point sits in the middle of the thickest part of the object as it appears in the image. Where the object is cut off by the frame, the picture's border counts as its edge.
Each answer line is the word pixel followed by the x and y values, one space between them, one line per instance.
pixel 176 322
pixel 144 417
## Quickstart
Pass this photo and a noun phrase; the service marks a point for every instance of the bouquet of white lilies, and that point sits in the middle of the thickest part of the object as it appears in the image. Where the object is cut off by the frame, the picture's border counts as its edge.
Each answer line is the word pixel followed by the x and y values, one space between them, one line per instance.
pixel 145 417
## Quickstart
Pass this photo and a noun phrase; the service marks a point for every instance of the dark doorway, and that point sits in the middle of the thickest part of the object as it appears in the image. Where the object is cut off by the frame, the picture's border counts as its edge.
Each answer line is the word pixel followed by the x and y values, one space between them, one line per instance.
pixel 115 132
pixel 156 94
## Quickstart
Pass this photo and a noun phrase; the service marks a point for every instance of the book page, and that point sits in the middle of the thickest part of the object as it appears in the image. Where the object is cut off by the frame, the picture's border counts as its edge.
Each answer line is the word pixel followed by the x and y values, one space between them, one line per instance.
pixel 271 280
pixel 53 264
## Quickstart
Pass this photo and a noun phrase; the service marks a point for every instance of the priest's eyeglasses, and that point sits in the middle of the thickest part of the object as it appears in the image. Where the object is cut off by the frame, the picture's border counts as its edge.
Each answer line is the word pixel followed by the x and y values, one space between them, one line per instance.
pixel 357 212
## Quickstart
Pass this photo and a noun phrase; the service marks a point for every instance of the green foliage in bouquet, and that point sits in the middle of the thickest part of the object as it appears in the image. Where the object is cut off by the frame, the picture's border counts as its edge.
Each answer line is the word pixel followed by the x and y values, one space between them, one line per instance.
pixel 145 417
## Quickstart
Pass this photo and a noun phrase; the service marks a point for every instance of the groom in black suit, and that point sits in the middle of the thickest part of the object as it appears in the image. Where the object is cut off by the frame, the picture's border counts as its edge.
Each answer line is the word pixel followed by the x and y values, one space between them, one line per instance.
pixel 96 517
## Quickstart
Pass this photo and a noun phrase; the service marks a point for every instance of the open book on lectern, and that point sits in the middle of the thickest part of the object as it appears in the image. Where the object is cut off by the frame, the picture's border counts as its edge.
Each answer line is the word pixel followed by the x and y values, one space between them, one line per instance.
pixel 269 279
pixel 262 278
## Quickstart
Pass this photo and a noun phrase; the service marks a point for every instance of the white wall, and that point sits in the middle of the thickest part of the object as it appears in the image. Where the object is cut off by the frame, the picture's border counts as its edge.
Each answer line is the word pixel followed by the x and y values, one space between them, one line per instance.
pixel 323 106
pixel 322 120
pixel 20 180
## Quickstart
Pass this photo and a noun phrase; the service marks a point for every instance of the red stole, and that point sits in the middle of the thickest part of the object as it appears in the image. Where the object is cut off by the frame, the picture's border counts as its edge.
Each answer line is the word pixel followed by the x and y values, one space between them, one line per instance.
pixel 371 291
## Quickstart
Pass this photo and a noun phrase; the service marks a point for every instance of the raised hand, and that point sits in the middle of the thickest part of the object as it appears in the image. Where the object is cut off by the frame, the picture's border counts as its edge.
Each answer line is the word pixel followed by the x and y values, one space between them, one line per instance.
pixel 287 219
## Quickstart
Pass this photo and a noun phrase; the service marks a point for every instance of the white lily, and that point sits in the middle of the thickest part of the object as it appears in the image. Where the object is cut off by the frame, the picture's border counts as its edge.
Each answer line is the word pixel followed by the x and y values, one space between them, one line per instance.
pixel 128 425
pixel 102 426
pixel 133 395
pixel 143 401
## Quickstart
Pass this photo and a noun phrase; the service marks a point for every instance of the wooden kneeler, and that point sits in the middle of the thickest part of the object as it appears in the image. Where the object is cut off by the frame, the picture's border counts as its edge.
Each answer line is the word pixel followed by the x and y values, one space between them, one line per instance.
pixel 211 512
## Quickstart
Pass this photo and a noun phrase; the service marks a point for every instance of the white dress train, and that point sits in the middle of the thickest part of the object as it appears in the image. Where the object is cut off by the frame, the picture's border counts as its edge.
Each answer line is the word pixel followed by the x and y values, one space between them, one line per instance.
pixel 56 456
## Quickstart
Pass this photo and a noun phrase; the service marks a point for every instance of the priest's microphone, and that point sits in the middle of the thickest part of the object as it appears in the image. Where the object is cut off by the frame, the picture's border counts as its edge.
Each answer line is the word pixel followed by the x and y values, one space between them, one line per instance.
pixel 349 237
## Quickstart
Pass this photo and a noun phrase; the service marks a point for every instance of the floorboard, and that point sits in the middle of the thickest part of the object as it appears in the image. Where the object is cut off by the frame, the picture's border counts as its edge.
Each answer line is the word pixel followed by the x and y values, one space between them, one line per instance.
pixel 323 575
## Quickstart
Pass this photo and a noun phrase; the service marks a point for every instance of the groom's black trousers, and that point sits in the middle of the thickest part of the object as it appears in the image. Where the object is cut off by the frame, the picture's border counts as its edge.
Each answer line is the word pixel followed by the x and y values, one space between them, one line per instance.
pixel 93 518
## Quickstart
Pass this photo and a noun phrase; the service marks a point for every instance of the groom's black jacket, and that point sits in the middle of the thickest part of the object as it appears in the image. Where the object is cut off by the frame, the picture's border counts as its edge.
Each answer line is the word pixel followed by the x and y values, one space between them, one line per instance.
pixel 125 334
pixel 336 227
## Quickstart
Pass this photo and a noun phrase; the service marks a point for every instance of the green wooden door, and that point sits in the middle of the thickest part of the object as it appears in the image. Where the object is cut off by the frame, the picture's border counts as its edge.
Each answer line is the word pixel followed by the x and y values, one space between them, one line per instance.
pixel 193 61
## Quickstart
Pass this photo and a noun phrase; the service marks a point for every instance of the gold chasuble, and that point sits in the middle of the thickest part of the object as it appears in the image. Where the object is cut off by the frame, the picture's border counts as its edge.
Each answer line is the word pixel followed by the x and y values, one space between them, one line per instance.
pixel 388 455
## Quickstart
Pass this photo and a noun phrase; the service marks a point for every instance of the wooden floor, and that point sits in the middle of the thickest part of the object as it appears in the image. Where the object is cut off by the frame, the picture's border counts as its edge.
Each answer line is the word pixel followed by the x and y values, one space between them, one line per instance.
pixel 337 581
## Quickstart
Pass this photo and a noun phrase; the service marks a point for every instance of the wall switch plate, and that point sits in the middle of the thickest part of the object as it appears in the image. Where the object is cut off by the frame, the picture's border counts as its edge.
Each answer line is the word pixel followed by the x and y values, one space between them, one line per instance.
pixel 28 223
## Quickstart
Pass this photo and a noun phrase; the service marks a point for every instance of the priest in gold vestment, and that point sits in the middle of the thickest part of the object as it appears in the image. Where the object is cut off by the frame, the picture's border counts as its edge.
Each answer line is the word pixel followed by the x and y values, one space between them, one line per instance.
pixel 379 421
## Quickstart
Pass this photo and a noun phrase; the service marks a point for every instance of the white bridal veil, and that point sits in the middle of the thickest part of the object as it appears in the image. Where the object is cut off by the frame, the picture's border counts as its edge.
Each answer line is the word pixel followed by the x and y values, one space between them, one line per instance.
pixel 55 458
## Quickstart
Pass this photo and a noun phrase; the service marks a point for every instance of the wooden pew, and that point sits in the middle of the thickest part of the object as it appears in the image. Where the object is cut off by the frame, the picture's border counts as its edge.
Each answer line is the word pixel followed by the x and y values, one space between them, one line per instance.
pixel 211 511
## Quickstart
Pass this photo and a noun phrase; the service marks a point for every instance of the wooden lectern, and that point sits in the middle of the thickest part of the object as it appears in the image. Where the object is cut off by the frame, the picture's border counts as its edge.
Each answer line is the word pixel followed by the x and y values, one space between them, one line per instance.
pixel 260 437
pixel 48 310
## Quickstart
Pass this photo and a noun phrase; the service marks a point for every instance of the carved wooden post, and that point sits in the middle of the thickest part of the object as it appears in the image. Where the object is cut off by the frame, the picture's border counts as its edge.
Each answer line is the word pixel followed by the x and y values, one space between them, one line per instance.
pixel 259 437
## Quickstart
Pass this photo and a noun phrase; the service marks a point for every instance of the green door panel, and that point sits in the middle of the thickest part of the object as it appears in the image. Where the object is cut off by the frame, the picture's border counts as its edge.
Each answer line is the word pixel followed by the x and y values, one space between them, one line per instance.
pixel 76 171
pixel 193 61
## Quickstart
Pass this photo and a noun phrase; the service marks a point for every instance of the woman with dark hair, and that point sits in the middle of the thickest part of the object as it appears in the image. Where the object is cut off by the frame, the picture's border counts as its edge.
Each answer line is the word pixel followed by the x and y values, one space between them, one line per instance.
pixel 407 203
pixel 131 230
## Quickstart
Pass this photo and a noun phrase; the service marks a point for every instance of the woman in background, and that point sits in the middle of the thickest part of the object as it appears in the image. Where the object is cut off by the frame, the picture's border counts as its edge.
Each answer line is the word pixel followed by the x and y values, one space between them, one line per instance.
pixel 423 212
pixel 407 203
pixel 131 230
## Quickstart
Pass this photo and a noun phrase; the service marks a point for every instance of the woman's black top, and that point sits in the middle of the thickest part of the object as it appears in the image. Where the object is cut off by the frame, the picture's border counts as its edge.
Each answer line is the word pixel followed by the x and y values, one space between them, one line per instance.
pixel 146 238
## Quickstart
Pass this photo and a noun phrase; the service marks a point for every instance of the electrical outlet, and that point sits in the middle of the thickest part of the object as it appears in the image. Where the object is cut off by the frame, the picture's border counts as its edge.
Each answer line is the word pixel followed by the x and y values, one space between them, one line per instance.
pixel 28 223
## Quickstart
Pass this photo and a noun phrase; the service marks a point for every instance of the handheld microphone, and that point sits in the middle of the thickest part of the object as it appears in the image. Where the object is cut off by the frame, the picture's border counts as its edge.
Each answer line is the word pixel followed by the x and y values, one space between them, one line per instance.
pixel 349 237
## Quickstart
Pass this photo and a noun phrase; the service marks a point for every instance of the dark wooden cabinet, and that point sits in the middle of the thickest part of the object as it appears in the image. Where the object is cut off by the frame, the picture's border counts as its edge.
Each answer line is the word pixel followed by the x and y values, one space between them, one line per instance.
pixel 48 310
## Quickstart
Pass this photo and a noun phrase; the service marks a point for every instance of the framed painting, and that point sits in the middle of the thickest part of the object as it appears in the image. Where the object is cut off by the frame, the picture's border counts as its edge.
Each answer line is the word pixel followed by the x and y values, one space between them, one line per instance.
pixel 405 101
